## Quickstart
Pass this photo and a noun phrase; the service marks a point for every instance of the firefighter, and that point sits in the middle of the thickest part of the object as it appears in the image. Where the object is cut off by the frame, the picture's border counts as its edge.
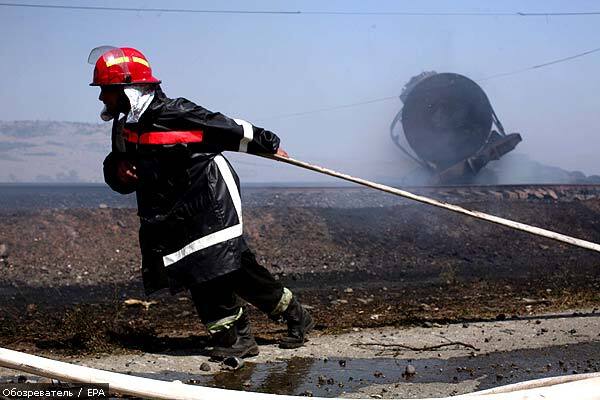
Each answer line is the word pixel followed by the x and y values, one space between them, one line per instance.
pixel 168 151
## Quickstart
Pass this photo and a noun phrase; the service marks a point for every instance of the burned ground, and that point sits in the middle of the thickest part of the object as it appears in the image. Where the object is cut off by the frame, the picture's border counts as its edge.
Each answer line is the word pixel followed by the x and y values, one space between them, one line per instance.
pixel 66 273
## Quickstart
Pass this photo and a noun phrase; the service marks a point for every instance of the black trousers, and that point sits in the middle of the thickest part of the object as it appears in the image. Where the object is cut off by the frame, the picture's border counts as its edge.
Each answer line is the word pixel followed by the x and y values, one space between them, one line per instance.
pixel 220 297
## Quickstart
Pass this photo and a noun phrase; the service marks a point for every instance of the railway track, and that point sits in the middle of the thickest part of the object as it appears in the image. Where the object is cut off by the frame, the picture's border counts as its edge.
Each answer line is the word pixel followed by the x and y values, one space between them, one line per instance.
pixel 33 197
pixel 562 192
pixel 359 197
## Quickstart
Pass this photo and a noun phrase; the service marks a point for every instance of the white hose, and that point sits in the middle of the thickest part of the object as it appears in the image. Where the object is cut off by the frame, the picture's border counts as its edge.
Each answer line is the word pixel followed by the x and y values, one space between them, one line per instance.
pixel 538 383
pixel 586 387
pixel 122 383
pixel 476 214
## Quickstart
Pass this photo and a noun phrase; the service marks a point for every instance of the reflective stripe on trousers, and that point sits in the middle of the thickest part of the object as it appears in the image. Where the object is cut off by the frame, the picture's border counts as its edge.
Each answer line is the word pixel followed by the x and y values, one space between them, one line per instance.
pixel 284 302
pixel 223 323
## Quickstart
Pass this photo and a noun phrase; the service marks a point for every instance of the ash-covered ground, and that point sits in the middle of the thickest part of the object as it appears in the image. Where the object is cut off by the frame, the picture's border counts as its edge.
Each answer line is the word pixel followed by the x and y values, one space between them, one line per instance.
pixel 358 259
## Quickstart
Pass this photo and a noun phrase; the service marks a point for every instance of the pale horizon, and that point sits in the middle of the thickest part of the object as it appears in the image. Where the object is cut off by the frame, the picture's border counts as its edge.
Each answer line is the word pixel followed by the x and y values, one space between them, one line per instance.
pixel 263 68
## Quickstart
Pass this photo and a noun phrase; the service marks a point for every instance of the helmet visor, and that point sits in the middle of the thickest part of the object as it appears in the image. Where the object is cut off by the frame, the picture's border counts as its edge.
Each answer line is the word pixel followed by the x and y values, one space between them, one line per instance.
pixel 97 52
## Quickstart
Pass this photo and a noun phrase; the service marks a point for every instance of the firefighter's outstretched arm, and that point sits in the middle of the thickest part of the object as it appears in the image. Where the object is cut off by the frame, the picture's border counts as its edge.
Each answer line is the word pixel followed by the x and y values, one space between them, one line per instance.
pixel 223 132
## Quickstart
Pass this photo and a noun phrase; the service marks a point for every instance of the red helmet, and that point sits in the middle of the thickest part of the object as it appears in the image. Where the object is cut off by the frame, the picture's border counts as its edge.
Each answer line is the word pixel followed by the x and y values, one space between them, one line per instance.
pixel 120 66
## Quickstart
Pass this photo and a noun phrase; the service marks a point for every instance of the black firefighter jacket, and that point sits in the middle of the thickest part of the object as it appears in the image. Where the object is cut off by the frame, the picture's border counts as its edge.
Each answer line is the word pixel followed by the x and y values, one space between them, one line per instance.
pixel 188 194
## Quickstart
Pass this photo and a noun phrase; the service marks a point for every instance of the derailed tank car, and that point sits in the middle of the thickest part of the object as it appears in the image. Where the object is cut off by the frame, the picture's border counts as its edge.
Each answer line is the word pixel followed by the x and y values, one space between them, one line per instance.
pixel 450 124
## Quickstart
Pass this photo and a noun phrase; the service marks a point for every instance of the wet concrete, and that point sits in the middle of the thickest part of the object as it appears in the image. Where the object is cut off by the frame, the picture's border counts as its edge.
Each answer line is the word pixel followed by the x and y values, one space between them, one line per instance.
pixel 340 375
pixel 333 377
pixel 342 365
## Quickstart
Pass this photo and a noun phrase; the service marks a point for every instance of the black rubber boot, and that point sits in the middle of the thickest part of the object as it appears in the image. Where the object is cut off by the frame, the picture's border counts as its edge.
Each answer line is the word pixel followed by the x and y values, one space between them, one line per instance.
pixel 299 323
pixel 236 341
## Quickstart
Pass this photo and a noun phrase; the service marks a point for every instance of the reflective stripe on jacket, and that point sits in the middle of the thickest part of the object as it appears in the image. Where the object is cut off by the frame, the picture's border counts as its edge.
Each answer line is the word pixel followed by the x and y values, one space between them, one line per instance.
pixel 188 194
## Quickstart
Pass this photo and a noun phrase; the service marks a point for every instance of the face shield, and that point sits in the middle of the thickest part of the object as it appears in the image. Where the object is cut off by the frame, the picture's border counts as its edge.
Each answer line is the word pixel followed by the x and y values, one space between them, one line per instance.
pixel 97 52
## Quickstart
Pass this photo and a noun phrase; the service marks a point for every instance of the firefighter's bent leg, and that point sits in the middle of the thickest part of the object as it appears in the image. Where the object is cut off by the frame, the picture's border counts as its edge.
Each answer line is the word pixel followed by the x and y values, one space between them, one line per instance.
pixel 224 316
pixel 256 284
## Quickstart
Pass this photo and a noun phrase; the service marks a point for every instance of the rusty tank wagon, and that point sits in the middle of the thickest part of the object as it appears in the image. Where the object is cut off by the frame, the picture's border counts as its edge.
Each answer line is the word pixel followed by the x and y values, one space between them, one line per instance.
pixel 451 127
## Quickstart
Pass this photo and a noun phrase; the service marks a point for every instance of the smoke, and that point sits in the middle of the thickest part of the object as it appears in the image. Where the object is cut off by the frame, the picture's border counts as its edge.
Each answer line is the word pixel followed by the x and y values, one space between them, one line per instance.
pixel 519 168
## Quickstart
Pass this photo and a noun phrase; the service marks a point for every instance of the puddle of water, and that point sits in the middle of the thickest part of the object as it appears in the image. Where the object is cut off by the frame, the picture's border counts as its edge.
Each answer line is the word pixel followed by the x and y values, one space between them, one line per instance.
pixel 336 375
pixel 332 377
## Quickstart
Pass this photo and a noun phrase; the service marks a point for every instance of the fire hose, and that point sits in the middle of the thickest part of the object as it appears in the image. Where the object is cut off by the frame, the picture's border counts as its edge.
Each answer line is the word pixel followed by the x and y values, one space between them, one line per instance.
pixel 582 387
pixel 555 388
pixel 452 207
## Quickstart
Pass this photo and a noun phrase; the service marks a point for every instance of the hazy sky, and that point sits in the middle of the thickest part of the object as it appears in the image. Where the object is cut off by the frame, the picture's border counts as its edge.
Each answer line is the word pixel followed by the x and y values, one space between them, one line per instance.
pixel 259 67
